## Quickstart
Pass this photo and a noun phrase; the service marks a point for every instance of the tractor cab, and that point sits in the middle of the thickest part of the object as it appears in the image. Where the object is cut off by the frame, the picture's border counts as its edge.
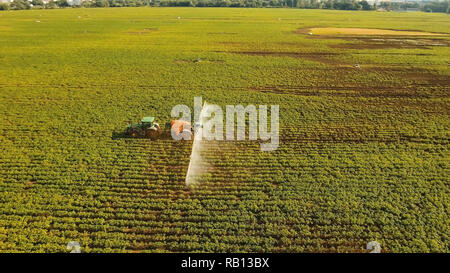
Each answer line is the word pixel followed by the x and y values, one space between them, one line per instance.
pixel 147 122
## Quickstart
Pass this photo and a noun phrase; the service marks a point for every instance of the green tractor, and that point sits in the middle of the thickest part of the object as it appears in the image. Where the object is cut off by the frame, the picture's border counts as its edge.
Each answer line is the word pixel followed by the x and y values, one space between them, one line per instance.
pixel 147 128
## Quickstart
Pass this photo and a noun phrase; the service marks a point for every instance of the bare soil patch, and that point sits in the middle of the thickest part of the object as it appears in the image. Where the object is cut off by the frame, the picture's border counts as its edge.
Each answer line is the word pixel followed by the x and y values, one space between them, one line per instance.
pixel 382 43
pixel 368 31
pixel 365 38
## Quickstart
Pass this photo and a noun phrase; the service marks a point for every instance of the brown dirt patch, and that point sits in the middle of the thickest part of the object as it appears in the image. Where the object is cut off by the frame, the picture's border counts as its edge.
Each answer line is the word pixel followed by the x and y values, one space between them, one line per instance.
pixel 368 31
pixel 382 43
pixel 375 39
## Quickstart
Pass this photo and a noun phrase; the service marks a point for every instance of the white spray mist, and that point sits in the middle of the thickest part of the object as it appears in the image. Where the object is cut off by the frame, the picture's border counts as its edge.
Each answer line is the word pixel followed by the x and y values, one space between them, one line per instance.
pixel 196 163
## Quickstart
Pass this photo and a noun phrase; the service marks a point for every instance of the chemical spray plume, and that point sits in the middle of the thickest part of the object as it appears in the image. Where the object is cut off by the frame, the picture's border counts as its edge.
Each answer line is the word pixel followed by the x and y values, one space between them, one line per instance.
pixel 196 163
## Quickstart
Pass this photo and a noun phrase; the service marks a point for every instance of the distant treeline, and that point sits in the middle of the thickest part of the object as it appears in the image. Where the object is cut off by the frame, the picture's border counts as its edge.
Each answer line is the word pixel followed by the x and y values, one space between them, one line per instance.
pixel 434 6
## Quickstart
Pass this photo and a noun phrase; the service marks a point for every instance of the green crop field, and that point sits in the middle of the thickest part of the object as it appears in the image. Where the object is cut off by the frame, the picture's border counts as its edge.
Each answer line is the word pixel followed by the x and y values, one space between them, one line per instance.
pixel 363 154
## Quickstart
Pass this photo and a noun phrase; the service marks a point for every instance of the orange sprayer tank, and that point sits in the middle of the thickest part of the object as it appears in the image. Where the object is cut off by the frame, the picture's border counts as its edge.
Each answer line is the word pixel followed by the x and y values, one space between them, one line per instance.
pixel 179 125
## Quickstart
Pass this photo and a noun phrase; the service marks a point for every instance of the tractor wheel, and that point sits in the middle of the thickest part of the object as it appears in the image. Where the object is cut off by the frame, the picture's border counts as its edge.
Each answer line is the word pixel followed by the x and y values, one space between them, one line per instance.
pixel 134 133
pixel 165 134
pixel 152 134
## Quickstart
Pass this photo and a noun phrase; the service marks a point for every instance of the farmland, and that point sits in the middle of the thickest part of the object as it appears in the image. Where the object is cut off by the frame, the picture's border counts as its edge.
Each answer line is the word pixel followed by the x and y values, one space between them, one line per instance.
pixel 363 154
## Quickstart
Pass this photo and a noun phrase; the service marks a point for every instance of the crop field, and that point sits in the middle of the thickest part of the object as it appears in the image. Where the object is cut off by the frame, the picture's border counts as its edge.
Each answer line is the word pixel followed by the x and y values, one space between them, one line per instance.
pixel 364 130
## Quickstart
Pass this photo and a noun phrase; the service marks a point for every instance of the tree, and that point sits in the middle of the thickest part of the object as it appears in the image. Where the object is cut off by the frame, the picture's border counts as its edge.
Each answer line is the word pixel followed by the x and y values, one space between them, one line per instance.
pixel 4 6
pixel 365 5
pixel 101 3
pixel 50 5
pixel 37 3
pixel 20 4
pixel 62 3
pixel 86 4
pixel 329 4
